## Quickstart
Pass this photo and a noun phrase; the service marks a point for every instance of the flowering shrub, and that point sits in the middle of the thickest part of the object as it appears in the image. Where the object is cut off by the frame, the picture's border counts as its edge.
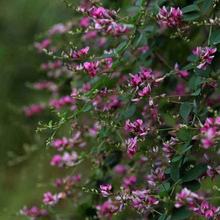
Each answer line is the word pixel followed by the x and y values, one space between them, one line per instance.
pixel 137 92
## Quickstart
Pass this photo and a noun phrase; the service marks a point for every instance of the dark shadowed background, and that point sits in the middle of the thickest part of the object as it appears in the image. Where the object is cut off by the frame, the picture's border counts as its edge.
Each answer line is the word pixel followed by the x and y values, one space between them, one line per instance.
pixel 21 170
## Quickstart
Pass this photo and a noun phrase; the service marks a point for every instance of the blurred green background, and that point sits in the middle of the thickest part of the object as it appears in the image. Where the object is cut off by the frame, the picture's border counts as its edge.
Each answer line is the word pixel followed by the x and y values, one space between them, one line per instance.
pixel 21 171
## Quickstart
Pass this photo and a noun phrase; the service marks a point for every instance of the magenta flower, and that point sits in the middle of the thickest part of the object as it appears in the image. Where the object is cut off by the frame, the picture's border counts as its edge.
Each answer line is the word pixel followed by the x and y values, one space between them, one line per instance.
pixel 129 181
pixel 34 212
pixel 181 73
pixel 33 110
pixel 131 146
pixel 145 91
pixel 57 160
pixel 40 46
pixel 107 209
pixel 80 53
pixel 61 102
pixel 196 203
pixel 170 18
pixel 46 85
pixel 105 189
pixel 120 169
pixel 137 127
pixel 205 55
pixel 100 13
pixel 50 199
pixel 84 22
pixel 91 68
pixel 59 29
pixel 60 144
pixel 210 131
pixel 69 159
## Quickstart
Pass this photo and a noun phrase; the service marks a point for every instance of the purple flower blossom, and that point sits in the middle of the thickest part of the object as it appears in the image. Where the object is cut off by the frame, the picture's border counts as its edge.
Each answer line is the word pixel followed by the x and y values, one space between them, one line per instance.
pixel 91 68
pixel 137 127
pixel 59 103
pixel 169 18
pixel 34 212
pixel 131 146
pixel 196 203
pixel 33 110
pixel 80 53
pixel 50 199
pixel 120 169
pixel 105 189
pixel 42 45
pixel 181 73
pixel 205 55
pixel 107 209
pixel 129 181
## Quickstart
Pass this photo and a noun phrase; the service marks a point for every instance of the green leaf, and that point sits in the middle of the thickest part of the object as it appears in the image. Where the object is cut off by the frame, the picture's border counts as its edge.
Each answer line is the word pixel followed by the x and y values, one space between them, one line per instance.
pixel 185 135
pixel 215 37
pixel 207 4
pixel 164 187
pixel 87 108
pixel 190 8
pixel 127 112
pixel 194 173
pixel 185 110
pixel 192 185
pixel 191 17
pixel 163 217
pixel 120 47
pixel 181 214
pixel 175 171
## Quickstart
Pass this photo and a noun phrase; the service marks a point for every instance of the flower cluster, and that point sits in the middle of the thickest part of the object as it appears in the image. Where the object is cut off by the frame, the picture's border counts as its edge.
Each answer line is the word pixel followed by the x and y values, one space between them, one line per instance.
pixel 170 17
pixel 210 132
pixel 196 203
pixel 103 19
pixel 67 159
pixel 116 96
pixel 33 109
pixel 205 55
pixel 33 212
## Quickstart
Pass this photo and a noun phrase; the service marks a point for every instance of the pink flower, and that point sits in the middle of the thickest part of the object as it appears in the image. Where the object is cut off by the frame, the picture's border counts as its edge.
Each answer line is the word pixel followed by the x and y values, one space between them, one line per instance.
pixel 105 189
pixel 195 203
pixel 107 209
pixel 156 176
pixel 59 103
pixel 57 160
pixel 43 85
pixel 181 73
pixel 84 22
pixel 145 91
pixel 136 127
pixel 168 147
pixel 205 55
pixel 143 49
pixel 169 18
pixel 42 45
pixel 60 144
pixel 78 54
pixel 91 68
pixel 59 29
pixel 34 212
pixel 33 110
pixel 129 181
pixel 50 199
pixel 131 146
pixel 180 89
pixel 120 169
pixel 135 80
pixel 100 12
pixel 69 159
